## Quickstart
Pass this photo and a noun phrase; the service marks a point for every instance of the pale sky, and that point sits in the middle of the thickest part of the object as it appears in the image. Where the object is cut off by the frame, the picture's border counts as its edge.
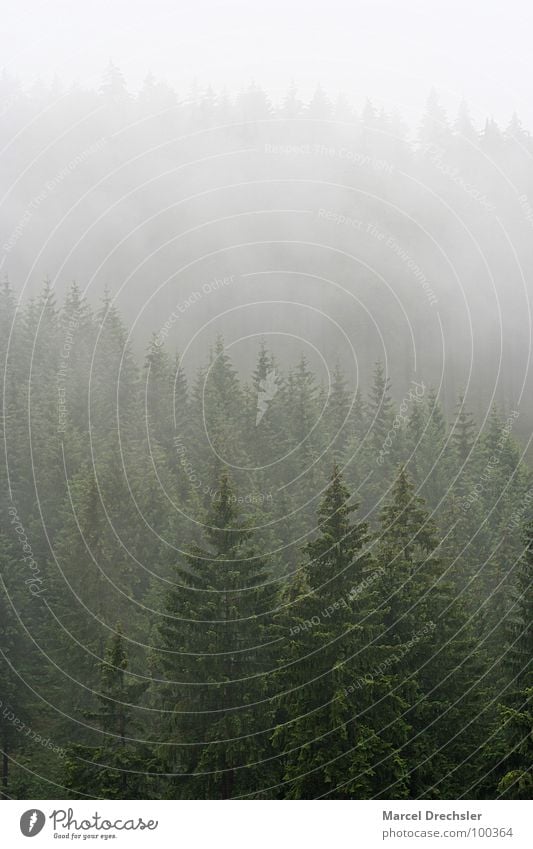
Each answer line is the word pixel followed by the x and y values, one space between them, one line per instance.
pixel 390 50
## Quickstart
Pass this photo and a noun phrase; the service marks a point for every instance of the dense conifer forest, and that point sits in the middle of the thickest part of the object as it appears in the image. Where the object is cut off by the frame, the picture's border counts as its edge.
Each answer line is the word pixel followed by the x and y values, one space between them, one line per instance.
pixel 266 507
pixel 228 585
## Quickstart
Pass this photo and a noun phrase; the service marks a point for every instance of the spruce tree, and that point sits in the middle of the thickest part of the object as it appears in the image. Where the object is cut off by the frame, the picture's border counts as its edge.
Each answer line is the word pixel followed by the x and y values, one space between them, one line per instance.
pixel 441 667
pixel 215 656
pixel 516 713
pixel 117 767
pixel 337 734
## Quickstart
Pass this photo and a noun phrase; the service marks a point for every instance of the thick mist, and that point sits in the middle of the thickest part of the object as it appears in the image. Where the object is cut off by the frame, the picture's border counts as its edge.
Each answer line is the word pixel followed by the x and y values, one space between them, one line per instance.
pixel 266 525
pixel 342 234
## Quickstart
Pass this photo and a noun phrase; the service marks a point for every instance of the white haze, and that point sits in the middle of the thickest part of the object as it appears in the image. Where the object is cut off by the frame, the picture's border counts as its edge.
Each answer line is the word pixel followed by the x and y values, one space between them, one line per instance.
pixel 153 192
pixel 383 49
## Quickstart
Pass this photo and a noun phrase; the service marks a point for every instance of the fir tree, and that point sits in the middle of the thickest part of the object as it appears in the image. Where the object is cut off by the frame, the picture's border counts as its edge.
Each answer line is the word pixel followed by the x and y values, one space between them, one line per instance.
pixel 117 768
pixel 517 711
pixel 214 645
pixel 338 736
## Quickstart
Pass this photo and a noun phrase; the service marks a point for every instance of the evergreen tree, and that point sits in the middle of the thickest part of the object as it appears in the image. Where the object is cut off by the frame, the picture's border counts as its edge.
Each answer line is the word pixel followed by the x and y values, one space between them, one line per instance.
pixel 118 768
pixel 337 733
pixel 517 710
pixel 215 655
pixel 441 666
pixel 380 411
pixel 463 434
pixel 338 409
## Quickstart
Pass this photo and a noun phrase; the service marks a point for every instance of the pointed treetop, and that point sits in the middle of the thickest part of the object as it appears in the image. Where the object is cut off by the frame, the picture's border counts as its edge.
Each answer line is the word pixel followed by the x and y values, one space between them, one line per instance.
pixel 265 364
pixel 434 128
pixel 380 389
pixel 463 430
pixel 115 655
pixel 463 125
pixel 113 85
pixel 515 130
pixel 492 136
pixel 369 115
pixel 405 520
pixel 292 107
pixel 319 106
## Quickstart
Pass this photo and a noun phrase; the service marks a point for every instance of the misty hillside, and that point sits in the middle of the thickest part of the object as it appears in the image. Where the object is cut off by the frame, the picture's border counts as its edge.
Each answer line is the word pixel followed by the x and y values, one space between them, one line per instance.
pixel 266 499
pixel 339 232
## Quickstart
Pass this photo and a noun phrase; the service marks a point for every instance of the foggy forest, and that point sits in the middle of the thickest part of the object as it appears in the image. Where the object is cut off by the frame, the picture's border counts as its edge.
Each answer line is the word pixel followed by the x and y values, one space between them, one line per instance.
pixel 267 500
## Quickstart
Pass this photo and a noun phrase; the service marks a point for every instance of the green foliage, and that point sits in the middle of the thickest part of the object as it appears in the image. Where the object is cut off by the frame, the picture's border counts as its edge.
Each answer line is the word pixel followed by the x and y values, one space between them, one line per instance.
pixel 283 637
